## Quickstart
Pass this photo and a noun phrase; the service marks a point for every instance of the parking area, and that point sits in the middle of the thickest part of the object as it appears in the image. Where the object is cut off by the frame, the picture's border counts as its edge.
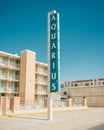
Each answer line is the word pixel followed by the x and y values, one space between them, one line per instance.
pixel 70 120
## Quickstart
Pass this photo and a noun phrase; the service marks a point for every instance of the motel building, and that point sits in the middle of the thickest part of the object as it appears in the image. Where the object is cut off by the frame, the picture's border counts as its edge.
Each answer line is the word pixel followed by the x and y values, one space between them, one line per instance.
pixel 24 81
pixel 24 77
pixel 91 89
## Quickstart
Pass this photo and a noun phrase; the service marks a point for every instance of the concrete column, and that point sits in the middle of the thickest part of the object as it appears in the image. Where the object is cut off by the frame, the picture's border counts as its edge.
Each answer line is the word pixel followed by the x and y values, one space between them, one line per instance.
pixel 46 102
pixel 0 103
pixel 15 104
pixel 85 102
pixel 27 77
pixel 69 102
pixel 96 81
pixel 4 105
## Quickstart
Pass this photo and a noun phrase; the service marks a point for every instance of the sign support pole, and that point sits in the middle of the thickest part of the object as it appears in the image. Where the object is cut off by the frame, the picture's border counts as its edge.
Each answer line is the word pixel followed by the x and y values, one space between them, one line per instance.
pixel 50 112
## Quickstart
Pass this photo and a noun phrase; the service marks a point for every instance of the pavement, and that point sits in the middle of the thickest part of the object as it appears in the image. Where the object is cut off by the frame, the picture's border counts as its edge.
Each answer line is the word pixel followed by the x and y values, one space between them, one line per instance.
pixel 84 119
pixel 99 127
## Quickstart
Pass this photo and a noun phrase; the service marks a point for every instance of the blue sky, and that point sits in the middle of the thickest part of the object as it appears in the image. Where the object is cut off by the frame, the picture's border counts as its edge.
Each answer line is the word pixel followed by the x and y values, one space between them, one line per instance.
pixel 23 25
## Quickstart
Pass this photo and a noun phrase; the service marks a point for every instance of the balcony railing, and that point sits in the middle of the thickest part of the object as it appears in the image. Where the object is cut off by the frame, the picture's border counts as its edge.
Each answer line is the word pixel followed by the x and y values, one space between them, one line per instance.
pixel 13 90
pixel 12 77
pixel 41 92
pixel 41 74
pixel 14 65
pixel 2 89
pixel 41 83
pixel 3 64
pixel 3 76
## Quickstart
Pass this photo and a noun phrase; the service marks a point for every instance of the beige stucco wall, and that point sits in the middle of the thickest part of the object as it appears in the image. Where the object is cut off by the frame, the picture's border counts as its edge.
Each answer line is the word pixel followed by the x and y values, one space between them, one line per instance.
pixel 15 104
pixel 94 94
pixel 27 76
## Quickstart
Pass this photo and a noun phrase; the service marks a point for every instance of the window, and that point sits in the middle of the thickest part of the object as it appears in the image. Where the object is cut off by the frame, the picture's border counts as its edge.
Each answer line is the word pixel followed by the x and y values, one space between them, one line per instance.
pixel 14 63
pixel 42 69
pixel 91 83
pixel 86 84
pixel 17 63
pixel 2 85
pixel 3 60
pixel 72 85
pixel 14 75
pixel 11 74
pixel 1 94
pixel 41 89
pixel 2 73
pixel 75 85
pixel 99 83
pixel 17 75
pixel 13 87
pixel 10 87
pixel 42 79
pixel 62 86
pixel 16 87
pixel 65 93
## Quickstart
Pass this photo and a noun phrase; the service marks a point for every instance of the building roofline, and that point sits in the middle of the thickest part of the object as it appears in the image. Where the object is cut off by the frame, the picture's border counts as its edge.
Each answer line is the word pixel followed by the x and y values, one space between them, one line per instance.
pixel 101 78
pixel 9 54
pixel 28 51
pixel 41 63
pixel 86 80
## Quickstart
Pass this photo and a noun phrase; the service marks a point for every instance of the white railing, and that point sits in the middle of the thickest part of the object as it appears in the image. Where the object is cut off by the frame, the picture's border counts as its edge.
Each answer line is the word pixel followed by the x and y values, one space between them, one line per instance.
pixel 2 76
pixel 12 77
pixel 14 65
pixel 3 64
pixel 41 92
pixel 12 90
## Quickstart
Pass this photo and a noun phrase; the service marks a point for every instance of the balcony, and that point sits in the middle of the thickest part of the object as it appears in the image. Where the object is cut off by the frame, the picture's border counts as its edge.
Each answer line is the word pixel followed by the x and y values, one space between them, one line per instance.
pixel 41 71
pixel 14 66
pixel 3 77
pixel 41 83
pixel 12 90
pixel 10 78
pixel 14 78
pixel 3 65
pixel 2 89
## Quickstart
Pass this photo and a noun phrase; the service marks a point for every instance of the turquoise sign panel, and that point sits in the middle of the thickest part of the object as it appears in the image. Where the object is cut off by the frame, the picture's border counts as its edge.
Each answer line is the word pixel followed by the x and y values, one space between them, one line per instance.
pixel 54 53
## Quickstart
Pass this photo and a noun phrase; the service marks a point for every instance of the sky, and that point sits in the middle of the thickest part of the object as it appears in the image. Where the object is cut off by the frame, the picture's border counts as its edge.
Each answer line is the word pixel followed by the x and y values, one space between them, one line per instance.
pixel 23 25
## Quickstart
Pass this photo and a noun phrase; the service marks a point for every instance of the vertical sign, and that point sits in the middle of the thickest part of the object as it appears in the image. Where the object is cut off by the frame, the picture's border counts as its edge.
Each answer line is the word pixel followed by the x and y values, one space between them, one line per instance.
pixel 54 51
